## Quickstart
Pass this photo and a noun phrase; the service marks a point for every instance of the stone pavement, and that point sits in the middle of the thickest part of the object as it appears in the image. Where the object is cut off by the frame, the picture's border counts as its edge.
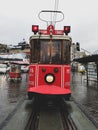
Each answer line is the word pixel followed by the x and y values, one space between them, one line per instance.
pixel 85 96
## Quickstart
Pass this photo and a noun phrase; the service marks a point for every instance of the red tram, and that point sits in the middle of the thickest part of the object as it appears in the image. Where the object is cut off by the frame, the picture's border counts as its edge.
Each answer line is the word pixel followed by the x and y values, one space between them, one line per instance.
pixel 49 71
pixel 15 71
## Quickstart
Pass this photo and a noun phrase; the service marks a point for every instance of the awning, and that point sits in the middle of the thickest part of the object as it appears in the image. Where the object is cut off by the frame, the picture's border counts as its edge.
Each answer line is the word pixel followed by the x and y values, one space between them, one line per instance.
pixel 90 58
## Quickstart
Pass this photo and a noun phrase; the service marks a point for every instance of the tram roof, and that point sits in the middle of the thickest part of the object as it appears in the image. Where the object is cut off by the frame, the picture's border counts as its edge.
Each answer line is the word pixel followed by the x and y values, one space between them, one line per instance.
pixel 90 58
pixel 53 37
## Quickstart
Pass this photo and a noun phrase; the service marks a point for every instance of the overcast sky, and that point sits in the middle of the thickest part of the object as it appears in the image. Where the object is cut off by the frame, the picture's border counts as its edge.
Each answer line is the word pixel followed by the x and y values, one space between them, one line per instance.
pixel 17 17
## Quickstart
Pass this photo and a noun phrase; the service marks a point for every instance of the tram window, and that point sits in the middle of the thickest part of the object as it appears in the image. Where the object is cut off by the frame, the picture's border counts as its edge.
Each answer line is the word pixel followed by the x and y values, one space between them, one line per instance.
pixel 35 48
pixel 50 51
pixel 56 52
pixel 66 58
pixel 13 68
pixel 44 51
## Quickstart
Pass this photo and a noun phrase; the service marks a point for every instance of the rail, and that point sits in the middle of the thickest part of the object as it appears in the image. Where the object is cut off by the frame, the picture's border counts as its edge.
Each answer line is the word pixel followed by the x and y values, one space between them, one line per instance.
pixel 51 115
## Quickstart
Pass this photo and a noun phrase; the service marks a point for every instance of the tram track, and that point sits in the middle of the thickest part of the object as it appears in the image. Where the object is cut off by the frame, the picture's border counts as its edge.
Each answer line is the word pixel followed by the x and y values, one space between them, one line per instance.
pixel 34 117
pixel 33 121
pixel 68 122
pixel 50 116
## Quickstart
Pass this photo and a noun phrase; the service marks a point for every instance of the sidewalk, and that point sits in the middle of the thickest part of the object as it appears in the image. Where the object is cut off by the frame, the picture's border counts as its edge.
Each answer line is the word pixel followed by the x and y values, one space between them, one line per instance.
pixel 85 96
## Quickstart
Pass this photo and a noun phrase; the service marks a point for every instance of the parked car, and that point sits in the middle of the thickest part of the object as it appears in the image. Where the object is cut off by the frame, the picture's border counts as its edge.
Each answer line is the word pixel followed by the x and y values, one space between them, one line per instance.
pixel 4 68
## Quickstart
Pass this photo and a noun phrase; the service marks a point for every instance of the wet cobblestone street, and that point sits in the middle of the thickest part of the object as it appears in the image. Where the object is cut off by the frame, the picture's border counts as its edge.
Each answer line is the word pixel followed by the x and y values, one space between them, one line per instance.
pixel 86 96
pixel 11 93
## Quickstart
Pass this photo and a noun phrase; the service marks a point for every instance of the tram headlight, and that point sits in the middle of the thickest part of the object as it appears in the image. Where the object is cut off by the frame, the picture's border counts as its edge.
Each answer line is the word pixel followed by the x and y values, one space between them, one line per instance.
pixel 49 78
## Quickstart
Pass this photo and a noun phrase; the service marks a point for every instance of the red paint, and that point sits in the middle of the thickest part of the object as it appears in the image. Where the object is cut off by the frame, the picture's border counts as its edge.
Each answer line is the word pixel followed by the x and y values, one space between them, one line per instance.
pixel 67 77
pixel 49 89
pixel 37 83
pixel 14 75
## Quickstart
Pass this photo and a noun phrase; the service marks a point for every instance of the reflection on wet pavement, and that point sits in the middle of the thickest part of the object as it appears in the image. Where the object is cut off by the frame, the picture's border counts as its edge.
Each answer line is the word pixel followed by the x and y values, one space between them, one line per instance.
pixel 10 94
pixel 13 92
pixel 86 96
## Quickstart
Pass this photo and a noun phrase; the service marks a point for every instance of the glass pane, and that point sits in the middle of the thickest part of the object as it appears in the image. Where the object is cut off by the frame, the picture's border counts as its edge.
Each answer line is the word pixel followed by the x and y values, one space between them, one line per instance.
pixel 50 51
pixel 56 52
pixel 66 58
pixel 44 52
pixel 35 50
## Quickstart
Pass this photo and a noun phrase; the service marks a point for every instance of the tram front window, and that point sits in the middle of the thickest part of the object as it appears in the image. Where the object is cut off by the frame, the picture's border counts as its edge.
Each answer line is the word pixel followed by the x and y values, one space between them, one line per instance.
pixel 50 52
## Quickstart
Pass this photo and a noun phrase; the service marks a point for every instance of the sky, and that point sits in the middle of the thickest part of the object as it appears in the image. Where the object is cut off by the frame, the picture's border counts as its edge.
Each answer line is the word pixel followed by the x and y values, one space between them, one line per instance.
pixel 18 16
